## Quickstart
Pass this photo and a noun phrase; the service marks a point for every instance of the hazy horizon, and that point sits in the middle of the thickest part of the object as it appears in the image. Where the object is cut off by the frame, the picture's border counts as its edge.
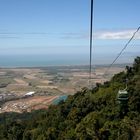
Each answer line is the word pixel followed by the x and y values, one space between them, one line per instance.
pixel 11 61
pixel 59 30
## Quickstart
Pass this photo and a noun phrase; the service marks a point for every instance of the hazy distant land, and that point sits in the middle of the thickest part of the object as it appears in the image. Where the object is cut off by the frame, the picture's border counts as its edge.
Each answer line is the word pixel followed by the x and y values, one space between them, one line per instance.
pixel 47 83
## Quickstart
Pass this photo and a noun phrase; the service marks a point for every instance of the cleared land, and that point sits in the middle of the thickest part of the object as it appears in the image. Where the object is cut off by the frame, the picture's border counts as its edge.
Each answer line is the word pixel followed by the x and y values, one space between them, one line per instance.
pixel 27 104
pixel 47 83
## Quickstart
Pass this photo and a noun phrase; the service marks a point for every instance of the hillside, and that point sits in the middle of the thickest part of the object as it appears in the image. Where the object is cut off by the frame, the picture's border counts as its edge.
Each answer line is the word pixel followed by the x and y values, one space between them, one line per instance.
pixel 88 115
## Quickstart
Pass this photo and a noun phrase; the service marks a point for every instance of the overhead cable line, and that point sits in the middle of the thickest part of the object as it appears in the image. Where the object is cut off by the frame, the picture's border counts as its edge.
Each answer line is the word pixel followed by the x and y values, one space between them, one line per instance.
pixel 91 37
pixel 122 50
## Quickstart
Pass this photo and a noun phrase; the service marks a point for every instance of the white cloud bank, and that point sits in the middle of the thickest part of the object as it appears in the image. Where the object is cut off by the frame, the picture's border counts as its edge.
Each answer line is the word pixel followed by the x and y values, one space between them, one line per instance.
pixel 104 34
pixel 124 34
pixel 99 34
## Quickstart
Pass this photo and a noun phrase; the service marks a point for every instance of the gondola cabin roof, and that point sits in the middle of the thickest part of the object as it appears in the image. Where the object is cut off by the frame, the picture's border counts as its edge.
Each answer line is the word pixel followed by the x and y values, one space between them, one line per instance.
pixel 122 92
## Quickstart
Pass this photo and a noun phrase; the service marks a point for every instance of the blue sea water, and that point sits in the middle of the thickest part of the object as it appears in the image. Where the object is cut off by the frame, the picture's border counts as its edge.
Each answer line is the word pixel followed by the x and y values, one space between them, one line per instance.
pixel 41 60
pixel 57 60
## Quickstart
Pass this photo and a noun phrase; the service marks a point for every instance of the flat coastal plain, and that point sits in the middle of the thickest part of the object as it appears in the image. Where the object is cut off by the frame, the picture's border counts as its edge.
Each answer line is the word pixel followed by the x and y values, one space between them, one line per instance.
pixel 27 89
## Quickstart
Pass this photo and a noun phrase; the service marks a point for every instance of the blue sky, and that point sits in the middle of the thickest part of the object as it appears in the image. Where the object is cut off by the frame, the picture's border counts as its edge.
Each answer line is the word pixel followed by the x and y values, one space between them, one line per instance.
pixel 62 27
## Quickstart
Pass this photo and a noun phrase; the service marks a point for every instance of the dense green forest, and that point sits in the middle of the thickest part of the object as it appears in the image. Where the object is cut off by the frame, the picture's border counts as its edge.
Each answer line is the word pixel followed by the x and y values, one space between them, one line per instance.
pixel 90 114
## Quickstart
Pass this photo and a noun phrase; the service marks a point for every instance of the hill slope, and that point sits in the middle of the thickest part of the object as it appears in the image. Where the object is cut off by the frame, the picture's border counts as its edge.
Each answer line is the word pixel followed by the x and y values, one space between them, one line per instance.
pixel 87 115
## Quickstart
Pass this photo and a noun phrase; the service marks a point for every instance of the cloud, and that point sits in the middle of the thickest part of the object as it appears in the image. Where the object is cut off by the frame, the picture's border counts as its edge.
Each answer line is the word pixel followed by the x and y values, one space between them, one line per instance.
pixel 9 37
pixel 98 34
pixel 74 35
pixel 22 35
pixel 124 34
pixel 103 35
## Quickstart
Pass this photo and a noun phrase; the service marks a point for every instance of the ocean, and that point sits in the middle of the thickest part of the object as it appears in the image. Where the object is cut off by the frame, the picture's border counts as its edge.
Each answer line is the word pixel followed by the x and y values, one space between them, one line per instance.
pixel 56 60
pixel 41 60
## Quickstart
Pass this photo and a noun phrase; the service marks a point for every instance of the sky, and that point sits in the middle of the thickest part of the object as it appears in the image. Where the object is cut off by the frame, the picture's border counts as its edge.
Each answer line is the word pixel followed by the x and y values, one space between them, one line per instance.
pixel 61 27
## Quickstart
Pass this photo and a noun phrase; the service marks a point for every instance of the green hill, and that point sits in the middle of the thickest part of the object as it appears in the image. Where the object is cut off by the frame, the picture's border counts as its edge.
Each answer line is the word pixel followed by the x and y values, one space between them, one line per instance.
pixel 88 115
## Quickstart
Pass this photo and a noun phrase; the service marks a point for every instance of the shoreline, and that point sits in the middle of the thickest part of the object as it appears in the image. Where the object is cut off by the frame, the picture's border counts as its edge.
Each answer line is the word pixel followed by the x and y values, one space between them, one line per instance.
pixel 52 66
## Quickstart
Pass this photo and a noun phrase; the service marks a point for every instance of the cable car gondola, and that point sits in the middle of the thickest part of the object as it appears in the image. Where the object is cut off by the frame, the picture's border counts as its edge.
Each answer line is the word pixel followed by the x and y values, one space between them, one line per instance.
pixel 122 96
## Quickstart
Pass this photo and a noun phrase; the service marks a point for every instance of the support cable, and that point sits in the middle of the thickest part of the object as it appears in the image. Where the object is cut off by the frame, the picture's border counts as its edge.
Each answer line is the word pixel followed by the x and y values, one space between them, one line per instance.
pixel 122 50
pixel 91 37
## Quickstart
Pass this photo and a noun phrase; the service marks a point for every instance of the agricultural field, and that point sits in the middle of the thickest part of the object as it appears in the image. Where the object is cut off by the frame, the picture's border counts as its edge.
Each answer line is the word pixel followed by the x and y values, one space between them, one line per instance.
pixel 46 84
